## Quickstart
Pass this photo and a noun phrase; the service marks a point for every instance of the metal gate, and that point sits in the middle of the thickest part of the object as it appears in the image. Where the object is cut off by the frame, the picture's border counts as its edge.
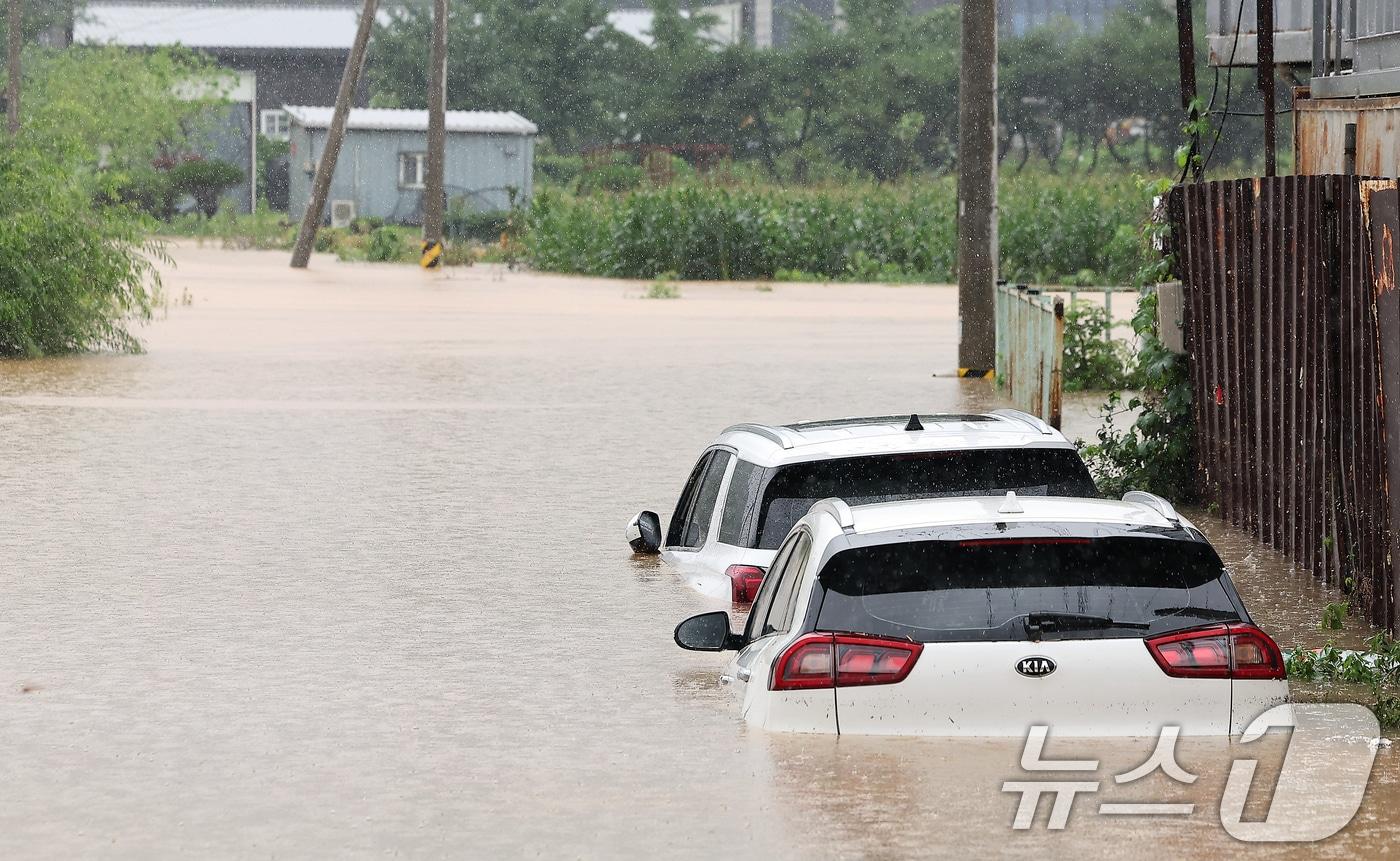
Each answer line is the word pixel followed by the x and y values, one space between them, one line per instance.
pixel 1289 393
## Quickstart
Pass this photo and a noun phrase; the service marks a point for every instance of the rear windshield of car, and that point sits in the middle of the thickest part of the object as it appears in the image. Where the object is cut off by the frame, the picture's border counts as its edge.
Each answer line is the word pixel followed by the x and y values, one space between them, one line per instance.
pixel 987 589
pixel 919 475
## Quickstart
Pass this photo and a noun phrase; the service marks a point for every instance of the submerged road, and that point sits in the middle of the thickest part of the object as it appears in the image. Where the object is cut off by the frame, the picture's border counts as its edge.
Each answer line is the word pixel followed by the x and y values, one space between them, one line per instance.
pixel 337 568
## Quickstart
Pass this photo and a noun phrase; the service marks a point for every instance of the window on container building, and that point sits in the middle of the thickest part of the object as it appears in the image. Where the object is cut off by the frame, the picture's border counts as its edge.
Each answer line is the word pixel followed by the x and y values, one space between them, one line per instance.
pixel 413 168
pixel 274 124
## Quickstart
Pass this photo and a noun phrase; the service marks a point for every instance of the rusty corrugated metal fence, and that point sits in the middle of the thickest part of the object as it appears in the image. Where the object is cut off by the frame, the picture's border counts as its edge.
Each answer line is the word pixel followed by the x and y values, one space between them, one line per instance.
pixel 1285 341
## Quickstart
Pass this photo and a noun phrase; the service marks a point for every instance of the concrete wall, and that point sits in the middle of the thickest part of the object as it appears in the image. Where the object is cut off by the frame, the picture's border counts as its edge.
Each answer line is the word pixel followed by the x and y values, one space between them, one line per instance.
pixel 479 168
pixel 1320 135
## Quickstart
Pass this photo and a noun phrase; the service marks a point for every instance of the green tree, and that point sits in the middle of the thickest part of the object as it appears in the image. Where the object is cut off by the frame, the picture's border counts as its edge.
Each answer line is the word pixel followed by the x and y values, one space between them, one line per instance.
pixel 122 109
pixel 550 60
pixel 40 17
pixel 889 83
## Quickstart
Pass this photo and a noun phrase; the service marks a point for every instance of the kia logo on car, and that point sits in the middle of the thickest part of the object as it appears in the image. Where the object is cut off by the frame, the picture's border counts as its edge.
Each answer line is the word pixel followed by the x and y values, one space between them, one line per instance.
pixel 1035 666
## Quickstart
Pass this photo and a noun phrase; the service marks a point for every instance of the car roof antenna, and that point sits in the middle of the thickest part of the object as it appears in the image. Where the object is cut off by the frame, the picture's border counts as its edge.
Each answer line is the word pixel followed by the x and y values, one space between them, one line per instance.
pixel 914 423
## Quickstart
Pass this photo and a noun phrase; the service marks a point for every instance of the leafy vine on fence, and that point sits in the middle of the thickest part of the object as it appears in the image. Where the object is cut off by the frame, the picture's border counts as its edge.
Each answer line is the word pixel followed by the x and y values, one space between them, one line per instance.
pixel 1156 451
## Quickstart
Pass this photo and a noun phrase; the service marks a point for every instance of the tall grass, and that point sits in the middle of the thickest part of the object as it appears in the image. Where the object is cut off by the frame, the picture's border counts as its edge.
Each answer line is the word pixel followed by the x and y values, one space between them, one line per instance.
pixel 1052 229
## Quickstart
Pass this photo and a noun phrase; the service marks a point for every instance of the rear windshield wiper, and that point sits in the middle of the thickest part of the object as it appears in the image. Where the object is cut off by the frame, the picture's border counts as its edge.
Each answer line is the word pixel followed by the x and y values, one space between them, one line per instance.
pixel 1037 624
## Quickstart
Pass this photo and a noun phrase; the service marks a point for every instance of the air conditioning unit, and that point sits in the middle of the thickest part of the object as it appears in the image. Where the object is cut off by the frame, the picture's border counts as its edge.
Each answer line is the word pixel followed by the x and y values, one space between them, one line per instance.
pixel 342 213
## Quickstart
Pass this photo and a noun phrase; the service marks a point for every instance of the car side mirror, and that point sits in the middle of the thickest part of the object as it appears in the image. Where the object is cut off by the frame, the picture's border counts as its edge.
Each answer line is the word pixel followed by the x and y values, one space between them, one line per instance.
pixel 644 533
pixel 708 632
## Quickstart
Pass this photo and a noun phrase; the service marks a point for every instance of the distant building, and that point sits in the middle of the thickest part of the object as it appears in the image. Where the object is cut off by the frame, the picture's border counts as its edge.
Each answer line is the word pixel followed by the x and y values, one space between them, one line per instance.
pixel 772 23
pixel 1348 119
pixel 1231 32
pixel 634 17
pixel 380 171
pixel 291 54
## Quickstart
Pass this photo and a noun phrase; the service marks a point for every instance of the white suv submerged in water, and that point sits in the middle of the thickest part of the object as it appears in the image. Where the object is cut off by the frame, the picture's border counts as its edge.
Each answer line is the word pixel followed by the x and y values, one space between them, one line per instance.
pixel 754 482
pixel 985 616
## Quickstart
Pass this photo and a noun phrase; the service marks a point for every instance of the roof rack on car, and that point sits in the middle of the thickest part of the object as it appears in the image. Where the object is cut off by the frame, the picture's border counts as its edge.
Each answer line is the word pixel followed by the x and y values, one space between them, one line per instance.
pixel 839 509
pixel 1025 419
pixel 857 421
pixel 770 433
pixel 1154 502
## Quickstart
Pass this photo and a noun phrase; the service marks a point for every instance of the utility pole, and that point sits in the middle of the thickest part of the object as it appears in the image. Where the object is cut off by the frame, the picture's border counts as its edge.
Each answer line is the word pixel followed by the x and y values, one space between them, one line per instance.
pixel 433 198
pixel 335 135
pixel 977 189
pixel 1186 69
pixel 12 71
pixel 1264 15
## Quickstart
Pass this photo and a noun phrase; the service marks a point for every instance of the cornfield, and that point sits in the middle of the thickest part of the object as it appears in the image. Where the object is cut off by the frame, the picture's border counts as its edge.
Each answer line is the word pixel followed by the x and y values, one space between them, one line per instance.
pixel 1053 229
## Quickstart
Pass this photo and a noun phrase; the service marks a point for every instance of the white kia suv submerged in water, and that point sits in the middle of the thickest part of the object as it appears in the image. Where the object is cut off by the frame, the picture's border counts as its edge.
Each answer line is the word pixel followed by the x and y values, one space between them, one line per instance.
pixel 985 616
pixel 754 482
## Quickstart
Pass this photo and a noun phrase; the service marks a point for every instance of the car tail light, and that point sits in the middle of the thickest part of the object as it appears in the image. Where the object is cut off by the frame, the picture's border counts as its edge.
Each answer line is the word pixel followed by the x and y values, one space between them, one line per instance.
pixel 744 581
pixel 1218 652
pixel 843 661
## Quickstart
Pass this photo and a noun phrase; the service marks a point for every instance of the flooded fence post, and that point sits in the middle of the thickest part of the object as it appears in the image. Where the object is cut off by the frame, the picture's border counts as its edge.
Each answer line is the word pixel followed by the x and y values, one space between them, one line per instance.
pixel 1057 357
pixel 1292 325
pixel 1030 349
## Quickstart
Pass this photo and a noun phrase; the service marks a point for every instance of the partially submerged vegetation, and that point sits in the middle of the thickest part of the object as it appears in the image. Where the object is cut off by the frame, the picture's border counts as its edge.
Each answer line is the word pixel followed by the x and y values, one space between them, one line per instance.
pixel 76 263
pixel 365 240
pixel 1094 360
pixel 1052 229
pixel 662 288
pixel 1156 452
pixel 71 274
pixel 1376 669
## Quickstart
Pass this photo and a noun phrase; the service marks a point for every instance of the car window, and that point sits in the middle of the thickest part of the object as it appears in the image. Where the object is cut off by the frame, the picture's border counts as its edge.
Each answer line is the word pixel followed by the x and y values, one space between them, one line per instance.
pixel 785 593
pixel 743 491
pixel 697 528
pixel 984 589
pixel 916 475
pixel 681 516
pixel 758 613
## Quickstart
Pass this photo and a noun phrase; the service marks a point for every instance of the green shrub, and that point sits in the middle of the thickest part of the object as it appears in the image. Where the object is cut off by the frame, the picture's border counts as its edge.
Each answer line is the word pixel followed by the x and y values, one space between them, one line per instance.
pixel 329 239
pixel 363 225
pixel 463 223
pixel 71 273
pixel 204 180
pixel 662 288
pixel 611 177
pixel 1053 229
pixel 1093 359
pixel 559 169
pixel 458 254
pixel 1156 452
pixel 384 245
pixel 148 190
pixel 1377 667
pixel 273 156
pixel 262 229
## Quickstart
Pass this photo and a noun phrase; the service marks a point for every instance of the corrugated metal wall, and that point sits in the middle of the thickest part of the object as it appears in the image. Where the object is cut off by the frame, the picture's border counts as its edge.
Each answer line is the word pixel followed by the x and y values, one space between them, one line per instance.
pixel 1284 341
pixel 1319 135
pixel 479 167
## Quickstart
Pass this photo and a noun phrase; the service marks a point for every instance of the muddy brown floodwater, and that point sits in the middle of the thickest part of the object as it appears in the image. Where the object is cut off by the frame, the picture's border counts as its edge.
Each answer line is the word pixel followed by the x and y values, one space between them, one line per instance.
pixel 337 568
